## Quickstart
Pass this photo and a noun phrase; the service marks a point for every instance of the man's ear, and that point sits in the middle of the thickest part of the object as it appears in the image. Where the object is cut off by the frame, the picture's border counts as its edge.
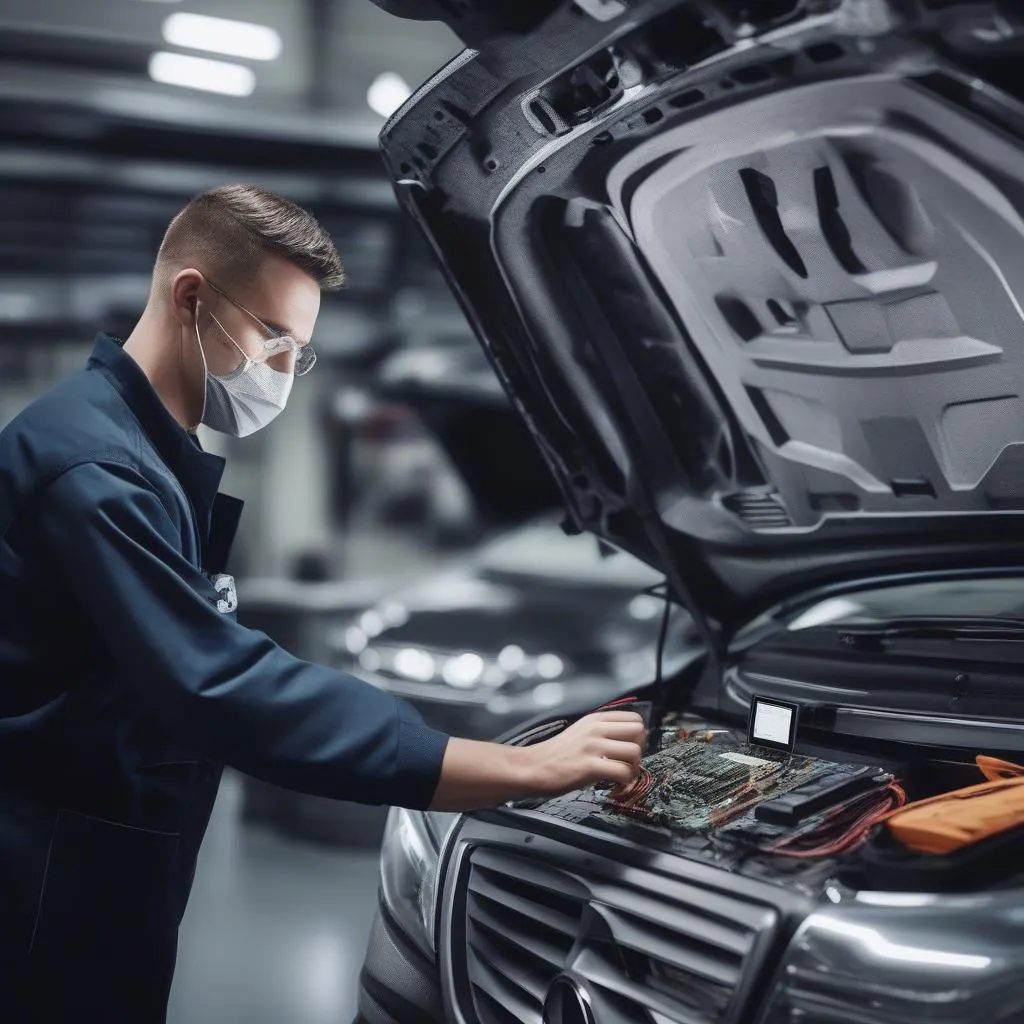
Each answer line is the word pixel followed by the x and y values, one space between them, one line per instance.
pixel 186 287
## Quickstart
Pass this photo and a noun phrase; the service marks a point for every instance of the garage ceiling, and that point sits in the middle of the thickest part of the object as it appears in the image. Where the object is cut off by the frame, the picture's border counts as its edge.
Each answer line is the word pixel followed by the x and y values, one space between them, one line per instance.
pixel 332 49
pixel 95 158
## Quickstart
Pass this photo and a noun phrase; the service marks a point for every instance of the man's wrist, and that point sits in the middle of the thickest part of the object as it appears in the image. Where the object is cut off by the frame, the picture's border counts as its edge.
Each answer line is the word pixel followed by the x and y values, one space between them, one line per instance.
pixel 522 765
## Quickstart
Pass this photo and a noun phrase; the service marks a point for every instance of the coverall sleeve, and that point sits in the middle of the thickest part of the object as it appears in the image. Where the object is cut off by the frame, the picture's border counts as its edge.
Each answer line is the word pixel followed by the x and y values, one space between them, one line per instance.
pixel 228 692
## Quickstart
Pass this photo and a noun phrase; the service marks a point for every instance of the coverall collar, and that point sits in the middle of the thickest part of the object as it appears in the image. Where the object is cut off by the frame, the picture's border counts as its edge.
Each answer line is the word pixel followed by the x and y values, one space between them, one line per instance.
pixel 199 472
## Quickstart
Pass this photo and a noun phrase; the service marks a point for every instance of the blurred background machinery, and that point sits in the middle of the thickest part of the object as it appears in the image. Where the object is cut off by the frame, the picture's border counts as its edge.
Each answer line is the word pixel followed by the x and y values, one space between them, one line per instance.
pixel 399 521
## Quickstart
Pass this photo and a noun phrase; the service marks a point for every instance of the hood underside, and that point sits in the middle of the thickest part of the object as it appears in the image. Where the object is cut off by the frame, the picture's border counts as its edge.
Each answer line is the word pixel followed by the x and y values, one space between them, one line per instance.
pixel 754 285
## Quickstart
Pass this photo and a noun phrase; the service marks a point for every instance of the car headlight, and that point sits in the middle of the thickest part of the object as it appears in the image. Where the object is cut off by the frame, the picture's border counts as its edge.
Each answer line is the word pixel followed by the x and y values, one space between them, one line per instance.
pixel 892 954
pixel 512 668
pixel 409 863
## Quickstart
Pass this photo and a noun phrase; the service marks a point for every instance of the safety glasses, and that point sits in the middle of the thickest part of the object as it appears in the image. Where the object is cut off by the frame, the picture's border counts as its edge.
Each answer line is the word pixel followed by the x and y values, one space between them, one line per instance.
pixel 276 342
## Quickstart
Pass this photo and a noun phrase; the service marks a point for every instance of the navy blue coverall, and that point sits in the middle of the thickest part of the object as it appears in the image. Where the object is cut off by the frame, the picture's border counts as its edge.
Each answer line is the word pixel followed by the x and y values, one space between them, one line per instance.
pixel 125 684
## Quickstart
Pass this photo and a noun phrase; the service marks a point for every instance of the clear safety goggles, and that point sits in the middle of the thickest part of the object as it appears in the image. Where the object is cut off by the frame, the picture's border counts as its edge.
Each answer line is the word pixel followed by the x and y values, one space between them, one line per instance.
pixel 276 342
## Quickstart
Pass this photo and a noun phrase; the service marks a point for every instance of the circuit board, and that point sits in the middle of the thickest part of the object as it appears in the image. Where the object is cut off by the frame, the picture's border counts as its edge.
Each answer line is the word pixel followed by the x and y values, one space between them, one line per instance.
pixel 697 794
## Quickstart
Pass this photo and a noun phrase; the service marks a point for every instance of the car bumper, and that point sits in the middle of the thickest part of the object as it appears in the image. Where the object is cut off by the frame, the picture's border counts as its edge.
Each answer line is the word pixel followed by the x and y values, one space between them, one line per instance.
pixel 398 983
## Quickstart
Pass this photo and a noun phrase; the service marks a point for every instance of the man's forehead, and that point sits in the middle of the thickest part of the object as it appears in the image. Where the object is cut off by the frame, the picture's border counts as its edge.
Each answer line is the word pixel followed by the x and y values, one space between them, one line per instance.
pixel 287 297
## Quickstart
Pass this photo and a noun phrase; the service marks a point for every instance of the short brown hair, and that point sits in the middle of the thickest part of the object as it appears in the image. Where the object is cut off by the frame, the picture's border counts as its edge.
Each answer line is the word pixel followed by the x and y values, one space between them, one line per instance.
pixel 228 231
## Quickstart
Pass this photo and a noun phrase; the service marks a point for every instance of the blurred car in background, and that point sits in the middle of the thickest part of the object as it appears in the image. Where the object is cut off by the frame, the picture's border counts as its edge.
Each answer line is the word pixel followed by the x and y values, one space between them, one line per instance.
pixel 534 620
pixel 529 621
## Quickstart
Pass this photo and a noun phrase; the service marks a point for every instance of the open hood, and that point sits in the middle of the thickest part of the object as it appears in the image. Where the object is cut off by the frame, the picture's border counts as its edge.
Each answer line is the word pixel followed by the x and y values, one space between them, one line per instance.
pixel 750 271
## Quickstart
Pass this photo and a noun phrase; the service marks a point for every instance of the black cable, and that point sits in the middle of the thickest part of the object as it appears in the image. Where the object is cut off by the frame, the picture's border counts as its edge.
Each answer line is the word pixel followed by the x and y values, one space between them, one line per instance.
pixel 662 638
pixel 660 690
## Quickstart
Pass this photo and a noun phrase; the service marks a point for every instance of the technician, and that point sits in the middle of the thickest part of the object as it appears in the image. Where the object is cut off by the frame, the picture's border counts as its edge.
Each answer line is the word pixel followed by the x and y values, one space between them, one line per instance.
pixel 126 681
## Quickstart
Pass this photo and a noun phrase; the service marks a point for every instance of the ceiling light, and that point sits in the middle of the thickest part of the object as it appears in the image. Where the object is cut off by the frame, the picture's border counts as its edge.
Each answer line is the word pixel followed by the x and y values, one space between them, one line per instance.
pixel 199 73
pixel 219 35
pixel 387 93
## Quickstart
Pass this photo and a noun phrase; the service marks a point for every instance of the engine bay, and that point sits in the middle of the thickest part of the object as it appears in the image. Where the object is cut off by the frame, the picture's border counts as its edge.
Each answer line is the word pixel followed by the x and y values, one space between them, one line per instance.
pixel 705 792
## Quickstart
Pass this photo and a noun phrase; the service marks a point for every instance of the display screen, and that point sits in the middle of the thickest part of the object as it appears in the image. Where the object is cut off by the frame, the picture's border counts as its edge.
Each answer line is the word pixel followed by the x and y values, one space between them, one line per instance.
pixel 773 724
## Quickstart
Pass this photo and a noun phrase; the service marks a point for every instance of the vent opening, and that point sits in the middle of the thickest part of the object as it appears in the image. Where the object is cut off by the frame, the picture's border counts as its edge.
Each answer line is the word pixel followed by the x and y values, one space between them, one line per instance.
pixel 739 316
pixel 912 488
pixel 764 201
pixel 834 228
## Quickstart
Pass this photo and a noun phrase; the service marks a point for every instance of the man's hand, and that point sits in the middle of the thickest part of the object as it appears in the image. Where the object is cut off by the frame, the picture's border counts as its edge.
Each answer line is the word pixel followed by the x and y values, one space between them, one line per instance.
pixel 603 747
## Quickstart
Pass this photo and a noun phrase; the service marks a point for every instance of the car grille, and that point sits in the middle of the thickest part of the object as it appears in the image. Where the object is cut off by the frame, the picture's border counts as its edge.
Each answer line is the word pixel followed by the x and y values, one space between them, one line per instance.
pixel 645 947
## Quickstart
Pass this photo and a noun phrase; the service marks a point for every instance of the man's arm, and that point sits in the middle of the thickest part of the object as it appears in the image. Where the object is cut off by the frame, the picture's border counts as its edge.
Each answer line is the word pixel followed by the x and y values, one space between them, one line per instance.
pixel 602 747
pixel 235 696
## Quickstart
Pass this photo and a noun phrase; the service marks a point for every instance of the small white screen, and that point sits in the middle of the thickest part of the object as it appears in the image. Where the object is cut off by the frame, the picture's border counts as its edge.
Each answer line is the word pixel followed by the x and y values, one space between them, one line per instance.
pixel 772 723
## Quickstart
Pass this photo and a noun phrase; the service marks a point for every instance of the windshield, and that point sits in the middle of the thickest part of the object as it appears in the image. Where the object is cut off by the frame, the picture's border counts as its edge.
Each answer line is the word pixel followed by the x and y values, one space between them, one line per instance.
pixel 993 598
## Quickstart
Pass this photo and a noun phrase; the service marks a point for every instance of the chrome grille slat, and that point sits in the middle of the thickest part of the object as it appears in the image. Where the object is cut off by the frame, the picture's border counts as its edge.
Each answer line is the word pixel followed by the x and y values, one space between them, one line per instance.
pixel 493 1011
pixel 721 970
pixel 716 905
pixel 645 910
pixel 531 982
pixel 503 990
pixel 645 946
pixel 536 948
pixel 481 886
pixel 591 967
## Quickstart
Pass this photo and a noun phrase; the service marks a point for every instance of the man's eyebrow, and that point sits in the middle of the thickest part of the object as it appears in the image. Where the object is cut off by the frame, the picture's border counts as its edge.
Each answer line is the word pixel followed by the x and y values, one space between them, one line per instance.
pixel 284 330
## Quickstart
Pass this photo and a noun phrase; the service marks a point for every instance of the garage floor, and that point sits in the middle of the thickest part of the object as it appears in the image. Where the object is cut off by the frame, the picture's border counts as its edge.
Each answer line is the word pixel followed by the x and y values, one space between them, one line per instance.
pixel 275 931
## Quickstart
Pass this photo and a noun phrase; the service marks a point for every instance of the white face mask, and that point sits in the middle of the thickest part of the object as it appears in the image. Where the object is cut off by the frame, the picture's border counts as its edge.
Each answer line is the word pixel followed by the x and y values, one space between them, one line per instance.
pixel 241 402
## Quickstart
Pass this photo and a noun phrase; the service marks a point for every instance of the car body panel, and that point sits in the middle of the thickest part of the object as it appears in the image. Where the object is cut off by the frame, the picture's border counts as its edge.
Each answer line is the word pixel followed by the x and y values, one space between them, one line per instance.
pixel 714 429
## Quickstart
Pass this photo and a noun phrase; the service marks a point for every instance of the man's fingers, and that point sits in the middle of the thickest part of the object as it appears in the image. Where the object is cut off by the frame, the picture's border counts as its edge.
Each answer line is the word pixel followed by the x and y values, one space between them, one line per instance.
pixel 615 750
pixel 615 716
pixel 618 772
pixel 633 732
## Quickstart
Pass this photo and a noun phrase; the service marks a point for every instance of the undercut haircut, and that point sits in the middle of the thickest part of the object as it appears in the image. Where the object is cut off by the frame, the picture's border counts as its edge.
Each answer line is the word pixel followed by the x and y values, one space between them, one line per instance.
pixel 228 232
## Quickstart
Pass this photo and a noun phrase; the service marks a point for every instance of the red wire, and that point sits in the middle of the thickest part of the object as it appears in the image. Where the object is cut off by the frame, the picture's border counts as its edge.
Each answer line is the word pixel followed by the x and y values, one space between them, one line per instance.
pixel 894 797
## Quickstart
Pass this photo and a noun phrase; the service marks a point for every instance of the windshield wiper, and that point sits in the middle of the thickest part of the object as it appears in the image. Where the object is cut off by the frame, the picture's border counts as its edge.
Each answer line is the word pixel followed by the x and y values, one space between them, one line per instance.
pixel 938 627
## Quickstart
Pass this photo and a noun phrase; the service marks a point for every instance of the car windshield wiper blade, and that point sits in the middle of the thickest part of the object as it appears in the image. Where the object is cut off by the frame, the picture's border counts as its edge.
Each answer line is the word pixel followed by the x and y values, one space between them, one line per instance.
pixel 936 628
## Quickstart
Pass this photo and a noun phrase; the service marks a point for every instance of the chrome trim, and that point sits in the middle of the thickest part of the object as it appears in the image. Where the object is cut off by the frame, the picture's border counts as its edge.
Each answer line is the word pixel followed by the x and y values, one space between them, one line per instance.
pixel 867 957
pixel 618 859
pixel 950 959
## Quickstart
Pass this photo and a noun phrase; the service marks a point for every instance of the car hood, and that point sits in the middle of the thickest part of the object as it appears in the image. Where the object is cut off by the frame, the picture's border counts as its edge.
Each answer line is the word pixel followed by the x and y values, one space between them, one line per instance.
pixel 749 272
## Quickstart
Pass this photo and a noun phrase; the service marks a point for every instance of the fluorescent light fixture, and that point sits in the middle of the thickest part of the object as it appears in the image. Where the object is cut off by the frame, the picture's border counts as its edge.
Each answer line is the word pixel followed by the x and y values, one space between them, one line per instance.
pixel 387 93
pixel 200 73
pixel 220 35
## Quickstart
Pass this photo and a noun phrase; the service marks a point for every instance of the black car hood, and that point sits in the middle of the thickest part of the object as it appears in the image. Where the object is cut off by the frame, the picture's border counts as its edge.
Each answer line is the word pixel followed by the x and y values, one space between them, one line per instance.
pixel 750 272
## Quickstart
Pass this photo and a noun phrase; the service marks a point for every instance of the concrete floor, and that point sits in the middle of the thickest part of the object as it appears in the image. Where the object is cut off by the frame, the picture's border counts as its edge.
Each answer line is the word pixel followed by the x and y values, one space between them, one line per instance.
pixel 276 930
